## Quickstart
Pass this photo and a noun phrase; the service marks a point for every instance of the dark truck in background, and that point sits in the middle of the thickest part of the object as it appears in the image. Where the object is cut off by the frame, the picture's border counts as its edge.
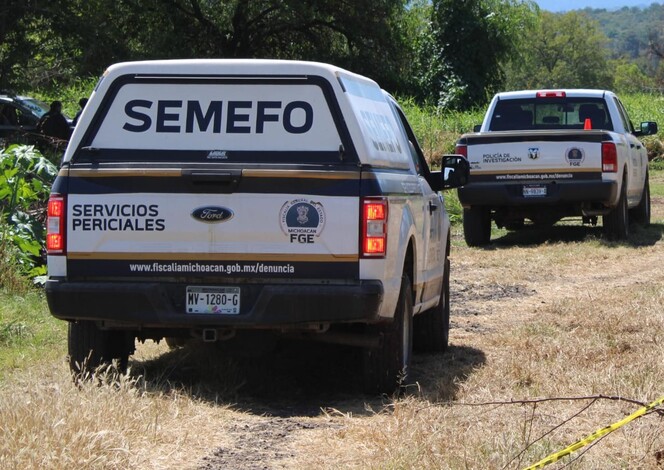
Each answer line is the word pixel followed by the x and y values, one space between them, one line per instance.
pixel 546 155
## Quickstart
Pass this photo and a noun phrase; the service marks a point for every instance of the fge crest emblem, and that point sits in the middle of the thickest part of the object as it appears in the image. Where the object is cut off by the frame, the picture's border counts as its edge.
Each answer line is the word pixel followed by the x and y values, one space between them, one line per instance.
pixel 302 220
pixel 533 153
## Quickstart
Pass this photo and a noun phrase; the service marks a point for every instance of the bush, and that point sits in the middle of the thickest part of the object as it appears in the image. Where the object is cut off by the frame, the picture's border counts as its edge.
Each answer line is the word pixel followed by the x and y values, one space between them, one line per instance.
pixel 655 148
pixel 25 183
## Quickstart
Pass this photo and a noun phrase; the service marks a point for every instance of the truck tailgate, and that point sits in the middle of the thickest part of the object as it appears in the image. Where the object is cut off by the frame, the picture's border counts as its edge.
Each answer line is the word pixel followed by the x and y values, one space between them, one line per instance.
pixel 170 228
pixel 535 156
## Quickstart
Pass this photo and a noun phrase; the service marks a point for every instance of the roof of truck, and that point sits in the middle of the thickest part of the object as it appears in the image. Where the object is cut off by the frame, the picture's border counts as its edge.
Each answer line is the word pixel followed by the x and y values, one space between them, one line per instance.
pixel 569 92
pixel 230 67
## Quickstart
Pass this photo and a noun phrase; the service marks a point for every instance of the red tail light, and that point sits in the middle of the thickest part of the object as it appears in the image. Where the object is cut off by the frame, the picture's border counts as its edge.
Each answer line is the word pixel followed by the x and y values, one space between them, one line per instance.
pixel 609 157
pixel 374 228
pixel 55 225
pixel 461 149
pixel 551 94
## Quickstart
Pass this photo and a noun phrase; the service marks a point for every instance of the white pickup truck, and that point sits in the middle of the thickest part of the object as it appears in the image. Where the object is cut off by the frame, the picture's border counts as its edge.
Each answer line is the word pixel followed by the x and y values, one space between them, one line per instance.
pixel 236 200
pixel 546 155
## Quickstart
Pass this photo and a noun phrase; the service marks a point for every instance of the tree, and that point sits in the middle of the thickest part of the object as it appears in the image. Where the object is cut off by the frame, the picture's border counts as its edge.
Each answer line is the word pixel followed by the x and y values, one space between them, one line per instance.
pixel 628 78
pixel 17 18
pixel 88 35
pixel 469 42
pixel 565 51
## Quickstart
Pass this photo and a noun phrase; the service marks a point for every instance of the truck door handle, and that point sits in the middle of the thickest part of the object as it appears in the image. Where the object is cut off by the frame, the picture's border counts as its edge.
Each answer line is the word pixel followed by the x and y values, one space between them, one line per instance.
pixel 432 207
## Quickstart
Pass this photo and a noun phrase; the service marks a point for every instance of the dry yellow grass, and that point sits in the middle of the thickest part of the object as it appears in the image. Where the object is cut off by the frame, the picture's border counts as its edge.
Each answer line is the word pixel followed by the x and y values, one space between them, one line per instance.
pixel 534 316
pixel 559 319
pixel 46 422
pixel 604 341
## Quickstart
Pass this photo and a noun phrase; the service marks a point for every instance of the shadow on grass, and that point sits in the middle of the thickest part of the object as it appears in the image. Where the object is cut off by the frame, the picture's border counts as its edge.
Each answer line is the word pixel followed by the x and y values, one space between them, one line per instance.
pixel 297 378
pixel 530 235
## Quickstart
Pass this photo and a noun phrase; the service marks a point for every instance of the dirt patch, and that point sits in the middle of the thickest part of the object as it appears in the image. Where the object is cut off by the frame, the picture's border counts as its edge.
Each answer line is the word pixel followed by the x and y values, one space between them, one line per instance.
pixel 258 444
pixel 467 297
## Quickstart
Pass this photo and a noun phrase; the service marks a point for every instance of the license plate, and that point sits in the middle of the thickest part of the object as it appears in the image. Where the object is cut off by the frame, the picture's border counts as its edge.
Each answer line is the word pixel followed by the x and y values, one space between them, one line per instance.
pixel 215 300
pixel 534 191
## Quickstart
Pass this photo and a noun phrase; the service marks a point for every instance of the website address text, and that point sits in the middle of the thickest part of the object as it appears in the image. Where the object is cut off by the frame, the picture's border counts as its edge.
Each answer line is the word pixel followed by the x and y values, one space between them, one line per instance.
pixel 192 267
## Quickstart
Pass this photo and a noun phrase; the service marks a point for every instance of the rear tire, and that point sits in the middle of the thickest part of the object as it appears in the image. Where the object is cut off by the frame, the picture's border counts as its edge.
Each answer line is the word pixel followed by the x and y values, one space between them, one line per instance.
pixel 90 347
pixel 616 222
pixel 387 367
pixel 477 226
pixel 432 328
pixel 641 213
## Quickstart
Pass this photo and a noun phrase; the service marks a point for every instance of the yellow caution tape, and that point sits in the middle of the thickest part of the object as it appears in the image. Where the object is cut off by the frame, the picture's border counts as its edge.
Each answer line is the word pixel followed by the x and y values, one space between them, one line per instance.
pixel 596 435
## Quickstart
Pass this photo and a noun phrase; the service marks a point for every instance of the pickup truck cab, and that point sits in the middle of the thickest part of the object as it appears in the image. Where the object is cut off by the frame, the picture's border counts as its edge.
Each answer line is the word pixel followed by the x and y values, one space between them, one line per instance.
pixel 227 200
pixel 550 154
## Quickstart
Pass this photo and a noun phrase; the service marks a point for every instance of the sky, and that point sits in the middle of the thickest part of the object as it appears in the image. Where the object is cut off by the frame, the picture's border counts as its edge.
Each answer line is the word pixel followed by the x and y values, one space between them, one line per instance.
pixel 565 5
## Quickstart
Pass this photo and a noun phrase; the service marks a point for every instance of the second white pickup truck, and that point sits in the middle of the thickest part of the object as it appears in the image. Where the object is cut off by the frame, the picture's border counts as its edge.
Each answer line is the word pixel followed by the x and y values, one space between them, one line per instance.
pixel 546 155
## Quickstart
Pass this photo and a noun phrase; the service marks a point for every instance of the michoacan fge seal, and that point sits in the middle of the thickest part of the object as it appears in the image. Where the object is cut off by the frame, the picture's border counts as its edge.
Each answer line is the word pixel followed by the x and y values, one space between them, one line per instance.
pixel 302 216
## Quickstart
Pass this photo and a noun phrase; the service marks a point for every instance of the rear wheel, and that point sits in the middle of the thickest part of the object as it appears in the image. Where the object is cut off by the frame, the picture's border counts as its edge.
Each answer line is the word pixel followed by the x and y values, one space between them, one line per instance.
pixel 387 366
pixel 432 328
pixel 616 222
pixel 477 226
pixel 91 347
pixel 641 213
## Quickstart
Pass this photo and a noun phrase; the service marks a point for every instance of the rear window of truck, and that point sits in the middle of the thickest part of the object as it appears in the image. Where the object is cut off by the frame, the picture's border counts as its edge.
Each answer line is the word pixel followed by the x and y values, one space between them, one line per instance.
pixel 550 113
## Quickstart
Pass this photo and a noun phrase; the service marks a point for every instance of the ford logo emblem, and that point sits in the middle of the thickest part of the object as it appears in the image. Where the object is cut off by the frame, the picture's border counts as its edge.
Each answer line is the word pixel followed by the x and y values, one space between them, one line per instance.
pixel 212 214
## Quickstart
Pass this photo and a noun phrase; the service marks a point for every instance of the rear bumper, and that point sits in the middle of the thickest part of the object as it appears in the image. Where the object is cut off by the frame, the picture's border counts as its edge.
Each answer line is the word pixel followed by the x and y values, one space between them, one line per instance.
pixel 565 192
pixel 162 305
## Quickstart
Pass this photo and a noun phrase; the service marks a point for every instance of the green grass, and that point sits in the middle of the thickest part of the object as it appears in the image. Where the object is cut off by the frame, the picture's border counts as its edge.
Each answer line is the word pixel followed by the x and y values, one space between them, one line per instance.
pixel 645 107
pixel 656 180
pixel 437 131
pixel 28 332
pixel 69 96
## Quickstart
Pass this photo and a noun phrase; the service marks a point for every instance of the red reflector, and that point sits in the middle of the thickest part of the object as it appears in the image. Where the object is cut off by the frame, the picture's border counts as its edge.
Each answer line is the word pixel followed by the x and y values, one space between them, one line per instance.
pixel 461 150
pixel 374 246
pixel 55 242
pixel 55 225
pixel 609 157
pixel 373 242
pixel 551 94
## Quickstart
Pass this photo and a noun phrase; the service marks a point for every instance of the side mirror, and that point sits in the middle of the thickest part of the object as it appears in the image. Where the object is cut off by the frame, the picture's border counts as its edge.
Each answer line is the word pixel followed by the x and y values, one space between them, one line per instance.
pixel 477 127
pixel 455 171
pixel 647 128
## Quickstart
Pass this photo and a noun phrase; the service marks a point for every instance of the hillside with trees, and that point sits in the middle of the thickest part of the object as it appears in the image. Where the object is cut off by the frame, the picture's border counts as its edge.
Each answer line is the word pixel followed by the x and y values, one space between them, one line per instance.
pixel 635 39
